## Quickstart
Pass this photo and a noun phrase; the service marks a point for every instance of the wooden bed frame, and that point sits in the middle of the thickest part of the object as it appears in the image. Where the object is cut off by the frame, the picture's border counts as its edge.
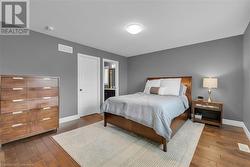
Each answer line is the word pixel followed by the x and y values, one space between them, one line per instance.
pixel 147 132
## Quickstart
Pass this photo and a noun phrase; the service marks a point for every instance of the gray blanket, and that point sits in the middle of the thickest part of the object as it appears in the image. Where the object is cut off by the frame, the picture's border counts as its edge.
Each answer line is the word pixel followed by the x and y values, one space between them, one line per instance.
pixel 154 111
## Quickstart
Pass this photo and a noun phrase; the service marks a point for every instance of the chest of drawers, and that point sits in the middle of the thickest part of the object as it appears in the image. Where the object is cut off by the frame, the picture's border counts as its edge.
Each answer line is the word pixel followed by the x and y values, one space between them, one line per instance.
pixel 29 105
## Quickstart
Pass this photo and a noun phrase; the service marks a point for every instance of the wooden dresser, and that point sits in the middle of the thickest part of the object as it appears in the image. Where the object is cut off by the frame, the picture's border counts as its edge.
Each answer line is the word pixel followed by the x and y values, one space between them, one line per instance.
pixel 29 106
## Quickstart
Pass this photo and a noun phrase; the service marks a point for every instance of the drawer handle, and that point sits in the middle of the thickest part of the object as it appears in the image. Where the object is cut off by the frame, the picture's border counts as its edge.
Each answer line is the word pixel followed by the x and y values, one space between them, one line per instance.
pixel 17 88
pixel 20 78
pixel 207 106
pixel 47 87
pixel 16 125
pixel 46 98
pixel 46 108
pixel 213 107
pixel 18 100
pixel 45 119
pixel 46 79
pixel 17 112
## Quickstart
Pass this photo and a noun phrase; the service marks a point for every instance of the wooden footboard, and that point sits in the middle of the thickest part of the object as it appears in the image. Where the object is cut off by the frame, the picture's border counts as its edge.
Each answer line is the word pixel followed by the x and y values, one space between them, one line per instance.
pixel 142 130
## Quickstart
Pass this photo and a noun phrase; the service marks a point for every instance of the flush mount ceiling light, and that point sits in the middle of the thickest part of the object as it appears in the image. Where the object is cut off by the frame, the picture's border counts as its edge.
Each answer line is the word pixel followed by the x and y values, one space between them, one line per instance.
pixel 134 28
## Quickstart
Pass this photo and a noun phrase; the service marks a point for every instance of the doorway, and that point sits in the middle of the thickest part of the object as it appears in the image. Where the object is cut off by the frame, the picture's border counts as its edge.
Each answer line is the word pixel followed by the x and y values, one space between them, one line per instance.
pixel 110 78
pixel 88 84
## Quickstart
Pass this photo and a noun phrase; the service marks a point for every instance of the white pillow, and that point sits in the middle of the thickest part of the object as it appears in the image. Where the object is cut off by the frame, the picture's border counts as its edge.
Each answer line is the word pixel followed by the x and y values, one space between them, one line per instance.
pixel 151 83
pixel 170 86
pixel 183 90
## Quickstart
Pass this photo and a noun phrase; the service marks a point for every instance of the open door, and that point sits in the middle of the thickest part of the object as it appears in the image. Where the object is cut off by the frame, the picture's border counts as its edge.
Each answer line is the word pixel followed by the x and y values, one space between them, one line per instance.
pixel 110 78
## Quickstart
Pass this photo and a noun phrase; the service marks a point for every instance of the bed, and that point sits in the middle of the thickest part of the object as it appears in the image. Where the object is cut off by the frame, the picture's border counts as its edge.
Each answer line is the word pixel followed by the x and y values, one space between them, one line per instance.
pixel 152 116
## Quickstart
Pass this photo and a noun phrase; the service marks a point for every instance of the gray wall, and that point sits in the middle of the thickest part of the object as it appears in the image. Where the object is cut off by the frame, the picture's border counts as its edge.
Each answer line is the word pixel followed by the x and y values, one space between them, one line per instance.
pixel 37 54
pixel 246 67
pixel 220 58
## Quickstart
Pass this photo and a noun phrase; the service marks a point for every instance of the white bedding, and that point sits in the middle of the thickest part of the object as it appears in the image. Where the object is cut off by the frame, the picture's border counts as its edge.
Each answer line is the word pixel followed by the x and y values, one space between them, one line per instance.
pixel 154 111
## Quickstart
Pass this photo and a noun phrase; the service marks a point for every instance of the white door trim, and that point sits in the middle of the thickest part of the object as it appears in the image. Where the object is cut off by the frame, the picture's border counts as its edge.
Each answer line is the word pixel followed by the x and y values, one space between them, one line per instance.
pixel 99 80
pixel 116 76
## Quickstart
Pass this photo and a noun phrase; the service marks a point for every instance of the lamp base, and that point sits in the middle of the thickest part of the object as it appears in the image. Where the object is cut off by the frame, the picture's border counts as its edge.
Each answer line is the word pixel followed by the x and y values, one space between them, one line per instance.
pixel 209 100
pixel 209 96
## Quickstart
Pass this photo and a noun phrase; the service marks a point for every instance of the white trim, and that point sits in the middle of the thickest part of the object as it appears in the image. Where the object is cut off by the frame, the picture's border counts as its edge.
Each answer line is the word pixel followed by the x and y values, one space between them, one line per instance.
pixel 237 124
pixel 233 122
pixel 99 80
pixel 116 77
pixel 246 131
pixel 69 118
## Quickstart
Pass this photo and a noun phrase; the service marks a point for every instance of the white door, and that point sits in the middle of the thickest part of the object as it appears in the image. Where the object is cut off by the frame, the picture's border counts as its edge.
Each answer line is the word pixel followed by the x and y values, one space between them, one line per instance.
pixel 88 85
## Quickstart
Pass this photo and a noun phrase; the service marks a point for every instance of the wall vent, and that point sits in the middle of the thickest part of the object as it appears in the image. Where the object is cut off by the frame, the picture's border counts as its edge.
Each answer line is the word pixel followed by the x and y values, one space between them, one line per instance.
pixel 65 48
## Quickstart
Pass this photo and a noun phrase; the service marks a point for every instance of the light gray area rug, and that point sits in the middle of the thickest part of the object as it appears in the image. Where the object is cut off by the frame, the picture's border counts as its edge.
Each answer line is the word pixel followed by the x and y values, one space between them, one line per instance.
pixel 98 146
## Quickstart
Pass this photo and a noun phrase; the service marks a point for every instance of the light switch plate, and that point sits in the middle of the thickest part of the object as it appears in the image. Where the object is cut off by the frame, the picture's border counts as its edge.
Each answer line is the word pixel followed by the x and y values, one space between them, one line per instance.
pixel 244 147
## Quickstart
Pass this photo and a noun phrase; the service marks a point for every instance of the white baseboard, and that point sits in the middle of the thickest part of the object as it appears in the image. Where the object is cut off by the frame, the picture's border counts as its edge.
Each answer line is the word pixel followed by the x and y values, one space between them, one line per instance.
pixel 69 118
pixel 238 124
pixel 246 131
pixel 233 122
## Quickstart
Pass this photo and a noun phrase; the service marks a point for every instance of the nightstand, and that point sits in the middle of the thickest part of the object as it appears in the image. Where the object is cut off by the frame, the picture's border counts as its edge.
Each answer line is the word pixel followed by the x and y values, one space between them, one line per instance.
pixel 207 112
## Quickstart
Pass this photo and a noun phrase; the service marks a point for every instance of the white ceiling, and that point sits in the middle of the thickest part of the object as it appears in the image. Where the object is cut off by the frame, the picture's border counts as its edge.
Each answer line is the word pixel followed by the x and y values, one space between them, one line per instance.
pixel 168 24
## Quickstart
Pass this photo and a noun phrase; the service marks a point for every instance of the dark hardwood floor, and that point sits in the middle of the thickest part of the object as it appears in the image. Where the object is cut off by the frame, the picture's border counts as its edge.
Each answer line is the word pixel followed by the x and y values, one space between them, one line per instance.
pixel 217 148
pixel 42 150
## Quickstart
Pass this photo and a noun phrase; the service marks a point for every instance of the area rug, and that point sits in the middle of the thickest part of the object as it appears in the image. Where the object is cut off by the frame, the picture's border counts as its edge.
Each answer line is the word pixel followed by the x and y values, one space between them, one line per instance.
pixel 99 146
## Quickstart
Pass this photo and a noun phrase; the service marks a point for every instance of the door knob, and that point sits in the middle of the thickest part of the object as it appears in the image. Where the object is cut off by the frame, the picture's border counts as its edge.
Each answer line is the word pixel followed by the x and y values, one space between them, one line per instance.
pixel 80 90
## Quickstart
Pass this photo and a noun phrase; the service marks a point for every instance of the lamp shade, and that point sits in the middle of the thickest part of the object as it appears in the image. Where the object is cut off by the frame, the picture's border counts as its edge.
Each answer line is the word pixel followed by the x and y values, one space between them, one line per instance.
pixel 210 83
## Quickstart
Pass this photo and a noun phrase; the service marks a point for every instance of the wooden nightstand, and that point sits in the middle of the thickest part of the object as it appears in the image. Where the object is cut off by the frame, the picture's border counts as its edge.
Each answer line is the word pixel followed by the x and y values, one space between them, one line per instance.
pixel 210 112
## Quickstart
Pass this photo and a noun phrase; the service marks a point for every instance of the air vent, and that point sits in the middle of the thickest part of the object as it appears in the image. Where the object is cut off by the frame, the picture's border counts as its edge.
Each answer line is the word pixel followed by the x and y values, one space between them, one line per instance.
pixel 65 48
pixel 244 147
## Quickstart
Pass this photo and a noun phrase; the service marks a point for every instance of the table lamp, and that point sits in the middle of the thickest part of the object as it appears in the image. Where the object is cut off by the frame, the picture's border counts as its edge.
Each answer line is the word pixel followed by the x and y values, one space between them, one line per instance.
pixel 210 83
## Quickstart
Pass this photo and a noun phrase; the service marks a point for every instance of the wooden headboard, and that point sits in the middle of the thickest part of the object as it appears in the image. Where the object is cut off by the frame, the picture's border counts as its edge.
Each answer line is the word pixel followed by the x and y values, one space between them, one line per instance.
pixel 185 80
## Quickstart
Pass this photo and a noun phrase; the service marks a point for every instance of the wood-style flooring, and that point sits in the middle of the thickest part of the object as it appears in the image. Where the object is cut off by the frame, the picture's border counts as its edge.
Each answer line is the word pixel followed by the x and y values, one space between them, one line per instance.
pixel 217 148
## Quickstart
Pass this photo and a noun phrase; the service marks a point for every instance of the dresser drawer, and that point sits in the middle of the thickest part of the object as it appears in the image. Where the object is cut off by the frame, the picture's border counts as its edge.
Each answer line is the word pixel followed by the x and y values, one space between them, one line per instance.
pixel 13 93
pixel 207 105
pixel 42 92
pixel 16 117
pixel 14 131
pixel 43 102
pixel 8 106
pixel 48 123
pixel 13 82
pixel 44 124
pixel 43 82
pixel 50 112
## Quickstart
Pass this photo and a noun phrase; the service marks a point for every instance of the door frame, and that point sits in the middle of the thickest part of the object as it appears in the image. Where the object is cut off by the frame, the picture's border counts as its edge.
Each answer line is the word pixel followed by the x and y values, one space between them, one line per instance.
pixel 98 80
pixel 116 77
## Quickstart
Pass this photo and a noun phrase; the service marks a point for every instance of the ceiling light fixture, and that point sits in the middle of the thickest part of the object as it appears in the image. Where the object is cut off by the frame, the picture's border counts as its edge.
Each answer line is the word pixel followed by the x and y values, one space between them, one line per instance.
pixel 134 28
